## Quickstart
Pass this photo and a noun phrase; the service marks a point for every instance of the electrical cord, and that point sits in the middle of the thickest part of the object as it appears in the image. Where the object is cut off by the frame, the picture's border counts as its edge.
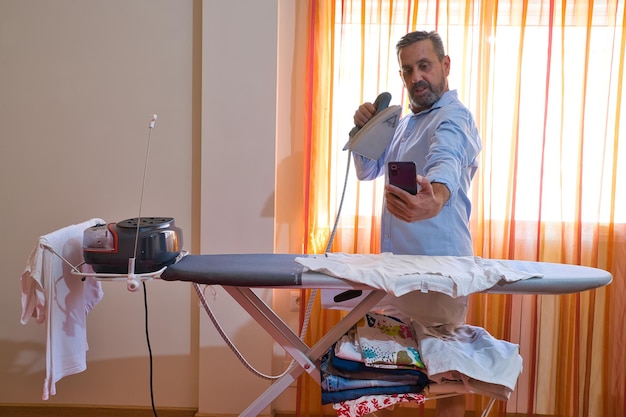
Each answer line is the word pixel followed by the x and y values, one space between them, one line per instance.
pixel 229 342
pixel 211 315
pixel 145 304
pixel 132 263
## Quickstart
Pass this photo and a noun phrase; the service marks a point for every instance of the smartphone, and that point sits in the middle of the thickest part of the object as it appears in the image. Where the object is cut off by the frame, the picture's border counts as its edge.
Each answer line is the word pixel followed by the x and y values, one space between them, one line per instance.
pixel 403 174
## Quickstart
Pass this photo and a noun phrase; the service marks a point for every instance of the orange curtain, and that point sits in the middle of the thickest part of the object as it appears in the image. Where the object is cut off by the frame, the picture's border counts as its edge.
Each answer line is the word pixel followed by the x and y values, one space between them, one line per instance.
pixel 317 211
pixel 544 80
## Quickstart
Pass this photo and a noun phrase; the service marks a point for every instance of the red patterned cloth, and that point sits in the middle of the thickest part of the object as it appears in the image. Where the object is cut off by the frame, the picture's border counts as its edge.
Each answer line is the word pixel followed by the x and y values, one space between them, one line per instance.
pixel 370 403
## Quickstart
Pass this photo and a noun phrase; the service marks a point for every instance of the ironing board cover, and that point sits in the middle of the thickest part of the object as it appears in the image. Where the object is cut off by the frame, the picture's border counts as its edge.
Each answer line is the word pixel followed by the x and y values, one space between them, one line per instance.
pixel 251 270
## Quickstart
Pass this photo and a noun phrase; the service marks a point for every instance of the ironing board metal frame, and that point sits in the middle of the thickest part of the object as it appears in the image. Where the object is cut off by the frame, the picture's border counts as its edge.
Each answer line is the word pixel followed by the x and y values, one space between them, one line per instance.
pixel 305 356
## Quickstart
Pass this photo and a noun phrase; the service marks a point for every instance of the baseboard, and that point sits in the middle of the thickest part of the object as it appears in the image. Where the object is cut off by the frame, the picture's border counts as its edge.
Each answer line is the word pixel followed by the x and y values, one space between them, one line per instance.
pixel 29 410
pixel 26 410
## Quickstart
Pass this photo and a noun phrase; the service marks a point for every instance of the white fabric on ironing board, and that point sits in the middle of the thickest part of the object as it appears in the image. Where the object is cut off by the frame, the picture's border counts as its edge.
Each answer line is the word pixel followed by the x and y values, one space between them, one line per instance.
pixel 430 309
pixel 52 295
pixel 455 276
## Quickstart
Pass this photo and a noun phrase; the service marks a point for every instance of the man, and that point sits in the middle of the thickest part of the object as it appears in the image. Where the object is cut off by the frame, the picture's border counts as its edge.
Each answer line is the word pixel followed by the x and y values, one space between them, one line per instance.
pixel 440 136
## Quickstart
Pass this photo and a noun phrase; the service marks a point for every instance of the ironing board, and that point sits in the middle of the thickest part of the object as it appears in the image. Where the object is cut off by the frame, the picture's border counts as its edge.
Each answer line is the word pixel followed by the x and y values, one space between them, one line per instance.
pixel 238 274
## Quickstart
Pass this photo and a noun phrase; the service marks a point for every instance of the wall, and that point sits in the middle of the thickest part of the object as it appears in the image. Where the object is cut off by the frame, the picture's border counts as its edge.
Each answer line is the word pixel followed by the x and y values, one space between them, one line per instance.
pixel 239 61
pixel 78 83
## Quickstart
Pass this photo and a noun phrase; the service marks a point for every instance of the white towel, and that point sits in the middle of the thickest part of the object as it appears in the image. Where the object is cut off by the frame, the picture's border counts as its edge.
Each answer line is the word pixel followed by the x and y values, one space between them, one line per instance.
pixel 486 365
pixel 52 295
pixel 456 276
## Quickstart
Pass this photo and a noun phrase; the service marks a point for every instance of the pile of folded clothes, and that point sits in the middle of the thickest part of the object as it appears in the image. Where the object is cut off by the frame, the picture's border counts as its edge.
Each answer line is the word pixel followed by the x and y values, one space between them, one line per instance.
pixel 375 365
pixel 383 361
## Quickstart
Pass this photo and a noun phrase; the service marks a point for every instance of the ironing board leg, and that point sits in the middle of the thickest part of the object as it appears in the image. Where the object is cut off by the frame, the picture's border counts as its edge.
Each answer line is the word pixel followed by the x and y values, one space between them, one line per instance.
pixel 487 409
pixel 273 325
pixel 305 357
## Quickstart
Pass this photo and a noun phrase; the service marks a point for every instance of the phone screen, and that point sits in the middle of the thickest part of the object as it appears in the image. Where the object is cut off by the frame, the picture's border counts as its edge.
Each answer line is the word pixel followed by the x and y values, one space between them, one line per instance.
pixel 403 175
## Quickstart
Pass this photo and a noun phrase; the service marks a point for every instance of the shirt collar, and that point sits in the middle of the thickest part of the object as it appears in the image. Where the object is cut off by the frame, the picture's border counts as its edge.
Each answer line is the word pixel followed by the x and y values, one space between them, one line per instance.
pixel 447 97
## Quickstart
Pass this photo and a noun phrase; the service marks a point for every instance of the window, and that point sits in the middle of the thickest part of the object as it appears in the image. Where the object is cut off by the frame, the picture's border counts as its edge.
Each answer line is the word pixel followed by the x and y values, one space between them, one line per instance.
pixel 546 98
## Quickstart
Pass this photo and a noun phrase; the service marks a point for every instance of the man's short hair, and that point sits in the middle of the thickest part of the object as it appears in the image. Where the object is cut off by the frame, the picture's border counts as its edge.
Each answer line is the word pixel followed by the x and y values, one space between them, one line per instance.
pixel 412 37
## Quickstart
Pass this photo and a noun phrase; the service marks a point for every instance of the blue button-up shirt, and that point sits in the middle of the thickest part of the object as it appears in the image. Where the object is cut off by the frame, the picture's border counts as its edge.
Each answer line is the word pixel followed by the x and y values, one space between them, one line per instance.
pixel 444 143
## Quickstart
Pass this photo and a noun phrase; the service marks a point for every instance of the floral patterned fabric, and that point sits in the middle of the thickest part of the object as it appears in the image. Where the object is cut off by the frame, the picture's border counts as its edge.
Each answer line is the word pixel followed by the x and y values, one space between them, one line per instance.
pixel 387 342
pixel 371 403
pixel 374 366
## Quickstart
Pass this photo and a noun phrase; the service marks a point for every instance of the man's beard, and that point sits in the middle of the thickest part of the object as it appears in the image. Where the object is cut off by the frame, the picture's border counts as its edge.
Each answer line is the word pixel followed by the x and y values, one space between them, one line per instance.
pixel 434 94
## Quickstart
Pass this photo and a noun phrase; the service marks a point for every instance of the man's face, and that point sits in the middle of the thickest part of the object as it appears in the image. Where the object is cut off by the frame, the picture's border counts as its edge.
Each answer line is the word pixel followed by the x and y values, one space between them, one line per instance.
pixel 424 76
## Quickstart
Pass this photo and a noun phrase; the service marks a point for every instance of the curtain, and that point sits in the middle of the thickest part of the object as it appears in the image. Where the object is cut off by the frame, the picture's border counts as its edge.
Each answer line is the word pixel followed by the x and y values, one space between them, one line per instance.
pixel 544 80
